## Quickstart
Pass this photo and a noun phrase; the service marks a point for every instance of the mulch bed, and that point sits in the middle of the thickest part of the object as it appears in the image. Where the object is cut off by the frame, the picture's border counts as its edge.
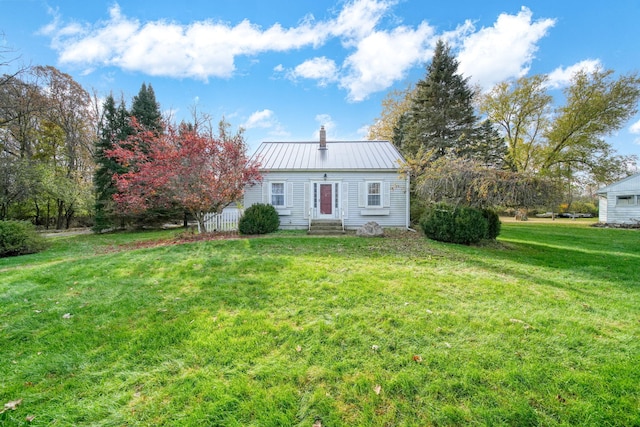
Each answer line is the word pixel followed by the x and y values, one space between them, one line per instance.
pixel 604 225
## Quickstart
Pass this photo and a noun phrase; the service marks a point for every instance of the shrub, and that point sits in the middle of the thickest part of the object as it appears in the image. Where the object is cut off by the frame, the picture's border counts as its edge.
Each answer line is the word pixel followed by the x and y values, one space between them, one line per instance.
pixel 493 223
pixel 259 219
pixel 447 223
pixel 583 207
pixel 19 238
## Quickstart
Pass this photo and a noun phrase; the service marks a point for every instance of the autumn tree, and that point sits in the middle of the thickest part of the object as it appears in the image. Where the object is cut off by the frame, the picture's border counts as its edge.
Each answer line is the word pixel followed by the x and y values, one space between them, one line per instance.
pixel 46 129
pixel 467 182
pixel 522 112
pixel 569 139
pixel 69 108
pixel 10 73
pixel 182 166
pixel 395 106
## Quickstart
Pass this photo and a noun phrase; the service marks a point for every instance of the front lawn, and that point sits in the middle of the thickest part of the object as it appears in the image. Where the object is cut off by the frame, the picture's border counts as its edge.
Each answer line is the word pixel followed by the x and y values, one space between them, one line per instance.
pixel 542 328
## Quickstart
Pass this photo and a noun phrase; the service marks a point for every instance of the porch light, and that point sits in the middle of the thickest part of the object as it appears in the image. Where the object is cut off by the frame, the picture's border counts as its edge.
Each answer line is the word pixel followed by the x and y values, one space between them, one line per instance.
pixel 325 176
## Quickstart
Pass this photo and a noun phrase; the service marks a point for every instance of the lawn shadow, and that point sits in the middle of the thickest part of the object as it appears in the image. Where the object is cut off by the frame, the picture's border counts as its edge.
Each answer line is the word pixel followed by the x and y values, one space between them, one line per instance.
pixel 578 268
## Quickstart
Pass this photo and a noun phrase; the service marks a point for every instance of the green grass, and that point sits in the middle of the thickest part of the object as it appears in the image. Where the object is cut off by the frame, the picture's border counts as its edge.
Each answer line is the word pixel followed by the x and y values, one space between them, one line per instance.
pixel 542 328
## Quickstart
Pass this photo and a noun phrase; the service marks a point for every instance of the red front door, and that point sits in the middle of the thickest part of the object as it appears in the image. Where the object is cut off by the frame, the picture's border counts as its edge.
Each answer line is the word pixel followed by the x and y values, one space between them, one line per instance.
pixel 326 199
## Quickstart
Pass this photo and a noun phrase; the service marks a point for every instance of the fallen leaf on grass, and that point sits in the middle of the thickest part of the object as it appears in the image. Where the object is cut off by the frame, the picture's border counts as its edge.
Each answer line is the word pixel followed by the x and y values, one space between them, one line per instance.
pixel 524 324
pixel 298 348
pixel 561 399
pixel 318 423
pixel 13 405
pixel 377 389
pixel 67 316
pixel 375 347
pixel 30 418
pixel 417 358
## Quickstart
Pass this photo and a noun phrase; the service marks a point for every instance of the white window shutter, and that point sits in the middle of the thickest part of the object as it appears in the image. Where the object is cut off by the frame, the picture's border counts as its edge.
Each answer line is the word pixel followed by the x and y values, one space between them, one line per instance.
pixel 386 200
pixel 362 194
pixel 305 209
pixel 345 199
pixel 265 192
pixel 289 201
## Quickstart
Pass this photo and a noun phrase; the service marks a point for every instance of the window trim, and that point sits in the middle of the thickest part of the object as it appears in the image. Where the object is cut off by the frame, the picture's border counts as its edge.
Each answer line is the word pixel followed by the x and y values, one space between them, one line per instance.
pixel 632 200
pixel 379 194
pixel 283 194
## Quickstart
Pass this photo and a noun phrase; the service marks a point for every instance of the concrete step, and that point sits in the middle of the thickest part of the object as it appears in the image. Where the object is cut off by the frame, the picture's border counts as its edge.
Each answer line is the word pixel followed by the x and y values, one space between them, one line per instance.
pixel 326 227
pixel 323 222
pixel 316 232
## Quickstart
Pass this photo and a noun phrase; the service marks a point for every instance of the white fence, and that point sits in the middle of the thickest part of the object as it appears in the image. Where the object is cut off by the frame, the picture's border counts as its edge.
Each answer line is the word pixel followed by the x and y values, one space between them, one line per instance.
pixel 227 220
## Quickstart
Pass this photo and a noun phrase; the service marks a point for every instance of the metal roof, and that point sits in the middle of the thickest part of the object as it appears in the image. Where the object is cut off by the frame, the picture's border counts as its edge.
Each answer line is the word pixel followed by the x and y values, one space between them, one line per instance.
pixel 339 155
pixel 610 187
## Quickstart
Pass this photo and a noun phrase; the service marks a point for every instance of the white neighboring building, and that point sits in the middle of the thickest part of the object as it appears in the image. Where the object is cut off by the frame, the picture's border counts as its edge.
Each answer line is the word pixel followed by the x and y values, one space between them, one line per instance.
pixel 620 201
pixel 353 182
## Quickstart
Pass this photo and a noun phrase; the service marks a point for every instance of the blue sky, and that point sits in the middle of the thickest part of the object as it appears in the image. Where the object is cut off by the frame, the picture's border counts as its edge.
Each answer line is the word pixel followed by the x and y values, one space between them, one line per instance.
pixel 281 68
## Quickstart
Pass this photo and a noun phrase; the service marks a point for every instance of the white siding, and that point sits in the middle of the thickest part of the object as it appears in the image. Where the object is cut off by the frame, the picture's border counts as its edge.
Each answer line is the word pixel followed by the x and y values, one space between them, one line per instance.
pixel 611 210
pixel 602 210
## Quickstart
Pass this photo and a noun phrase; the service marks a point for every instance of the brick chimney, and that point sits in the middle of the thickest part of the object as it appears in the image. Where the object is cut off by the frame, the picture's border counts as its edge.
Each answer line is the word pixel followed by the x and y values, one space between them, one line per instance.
pixel 323 138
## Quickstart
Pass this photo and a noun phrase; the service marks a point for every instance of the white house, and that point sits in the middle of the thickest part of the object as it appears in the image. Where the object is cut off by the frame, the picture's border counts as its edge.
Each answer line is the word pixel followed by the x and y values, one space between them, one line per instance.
pixel 350 182
pixel 620 201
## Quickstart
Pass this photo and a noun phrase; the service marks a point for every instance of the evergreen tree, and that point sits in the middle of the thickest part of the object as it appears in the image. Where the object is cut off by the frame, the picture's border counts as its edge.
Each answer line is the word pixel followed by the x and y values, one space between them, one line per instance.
pixel 441 119
pixel 146 109
pixel 114 126
pixel 486 146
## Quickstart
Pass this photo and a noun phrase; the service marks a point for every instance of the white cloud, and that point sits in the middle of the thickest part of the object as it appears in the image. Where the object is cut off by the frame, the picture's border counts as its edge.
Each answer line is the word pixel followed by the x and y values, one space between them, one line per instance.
pixel 376 57
pixel 260 119
pixel 358 19
pixel 207 49
pixel 561 77
pixel 635 128
pixel 363 132
pixel 329 126
pixel 503 51
pixel 266 119
pixel 382 58
pixel 199 50
pixel 322 69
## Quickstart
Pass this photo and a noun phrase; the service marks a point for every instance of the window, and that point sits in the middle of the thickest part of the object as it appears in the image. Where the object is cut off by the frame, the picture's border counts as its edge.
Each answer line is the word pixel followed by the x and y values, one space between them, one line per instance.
pixel 374 194
pixel 626 200
pixel 277 194
pixel 315 195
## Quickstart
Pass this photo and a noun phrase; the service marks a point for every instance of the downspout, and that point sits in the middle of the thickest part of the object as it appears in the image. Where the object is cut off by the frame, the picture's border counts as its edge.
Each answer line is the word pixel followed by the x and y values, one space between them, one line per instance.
pixel 408 203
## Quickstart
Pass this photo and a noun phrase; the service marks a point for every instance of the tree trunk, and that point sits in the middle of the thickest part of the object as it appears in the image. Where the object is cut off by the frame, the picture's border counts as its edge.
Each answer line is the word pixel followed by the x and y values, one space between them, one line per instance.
pixel 60 214
pixel 200 218
pixel 37 218
pixel 48 218
pixel 68 215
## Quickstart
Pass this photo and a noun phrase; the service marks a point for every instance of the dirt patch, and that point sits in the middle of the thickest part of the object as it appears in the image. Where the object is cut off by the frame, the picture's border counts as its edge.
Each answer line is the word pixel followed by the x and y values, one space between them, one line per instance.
pixel 180 239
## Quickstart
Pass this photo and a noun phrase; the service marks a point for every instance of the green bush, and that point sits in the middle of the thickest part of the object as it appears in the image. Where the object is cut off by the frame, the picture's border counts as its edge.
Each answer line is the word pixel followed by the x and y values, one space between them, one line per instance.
pixel 583 207
pixel 19 238
pixel 259 219
pixel 493 223
pixel 451 224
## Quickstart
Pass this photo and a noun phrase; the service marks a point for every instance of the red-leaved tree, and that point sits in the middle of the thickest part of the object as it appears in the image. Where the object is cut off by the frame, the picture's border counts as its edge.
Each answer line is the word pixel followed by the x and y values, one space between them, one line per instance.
pixel 199 172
